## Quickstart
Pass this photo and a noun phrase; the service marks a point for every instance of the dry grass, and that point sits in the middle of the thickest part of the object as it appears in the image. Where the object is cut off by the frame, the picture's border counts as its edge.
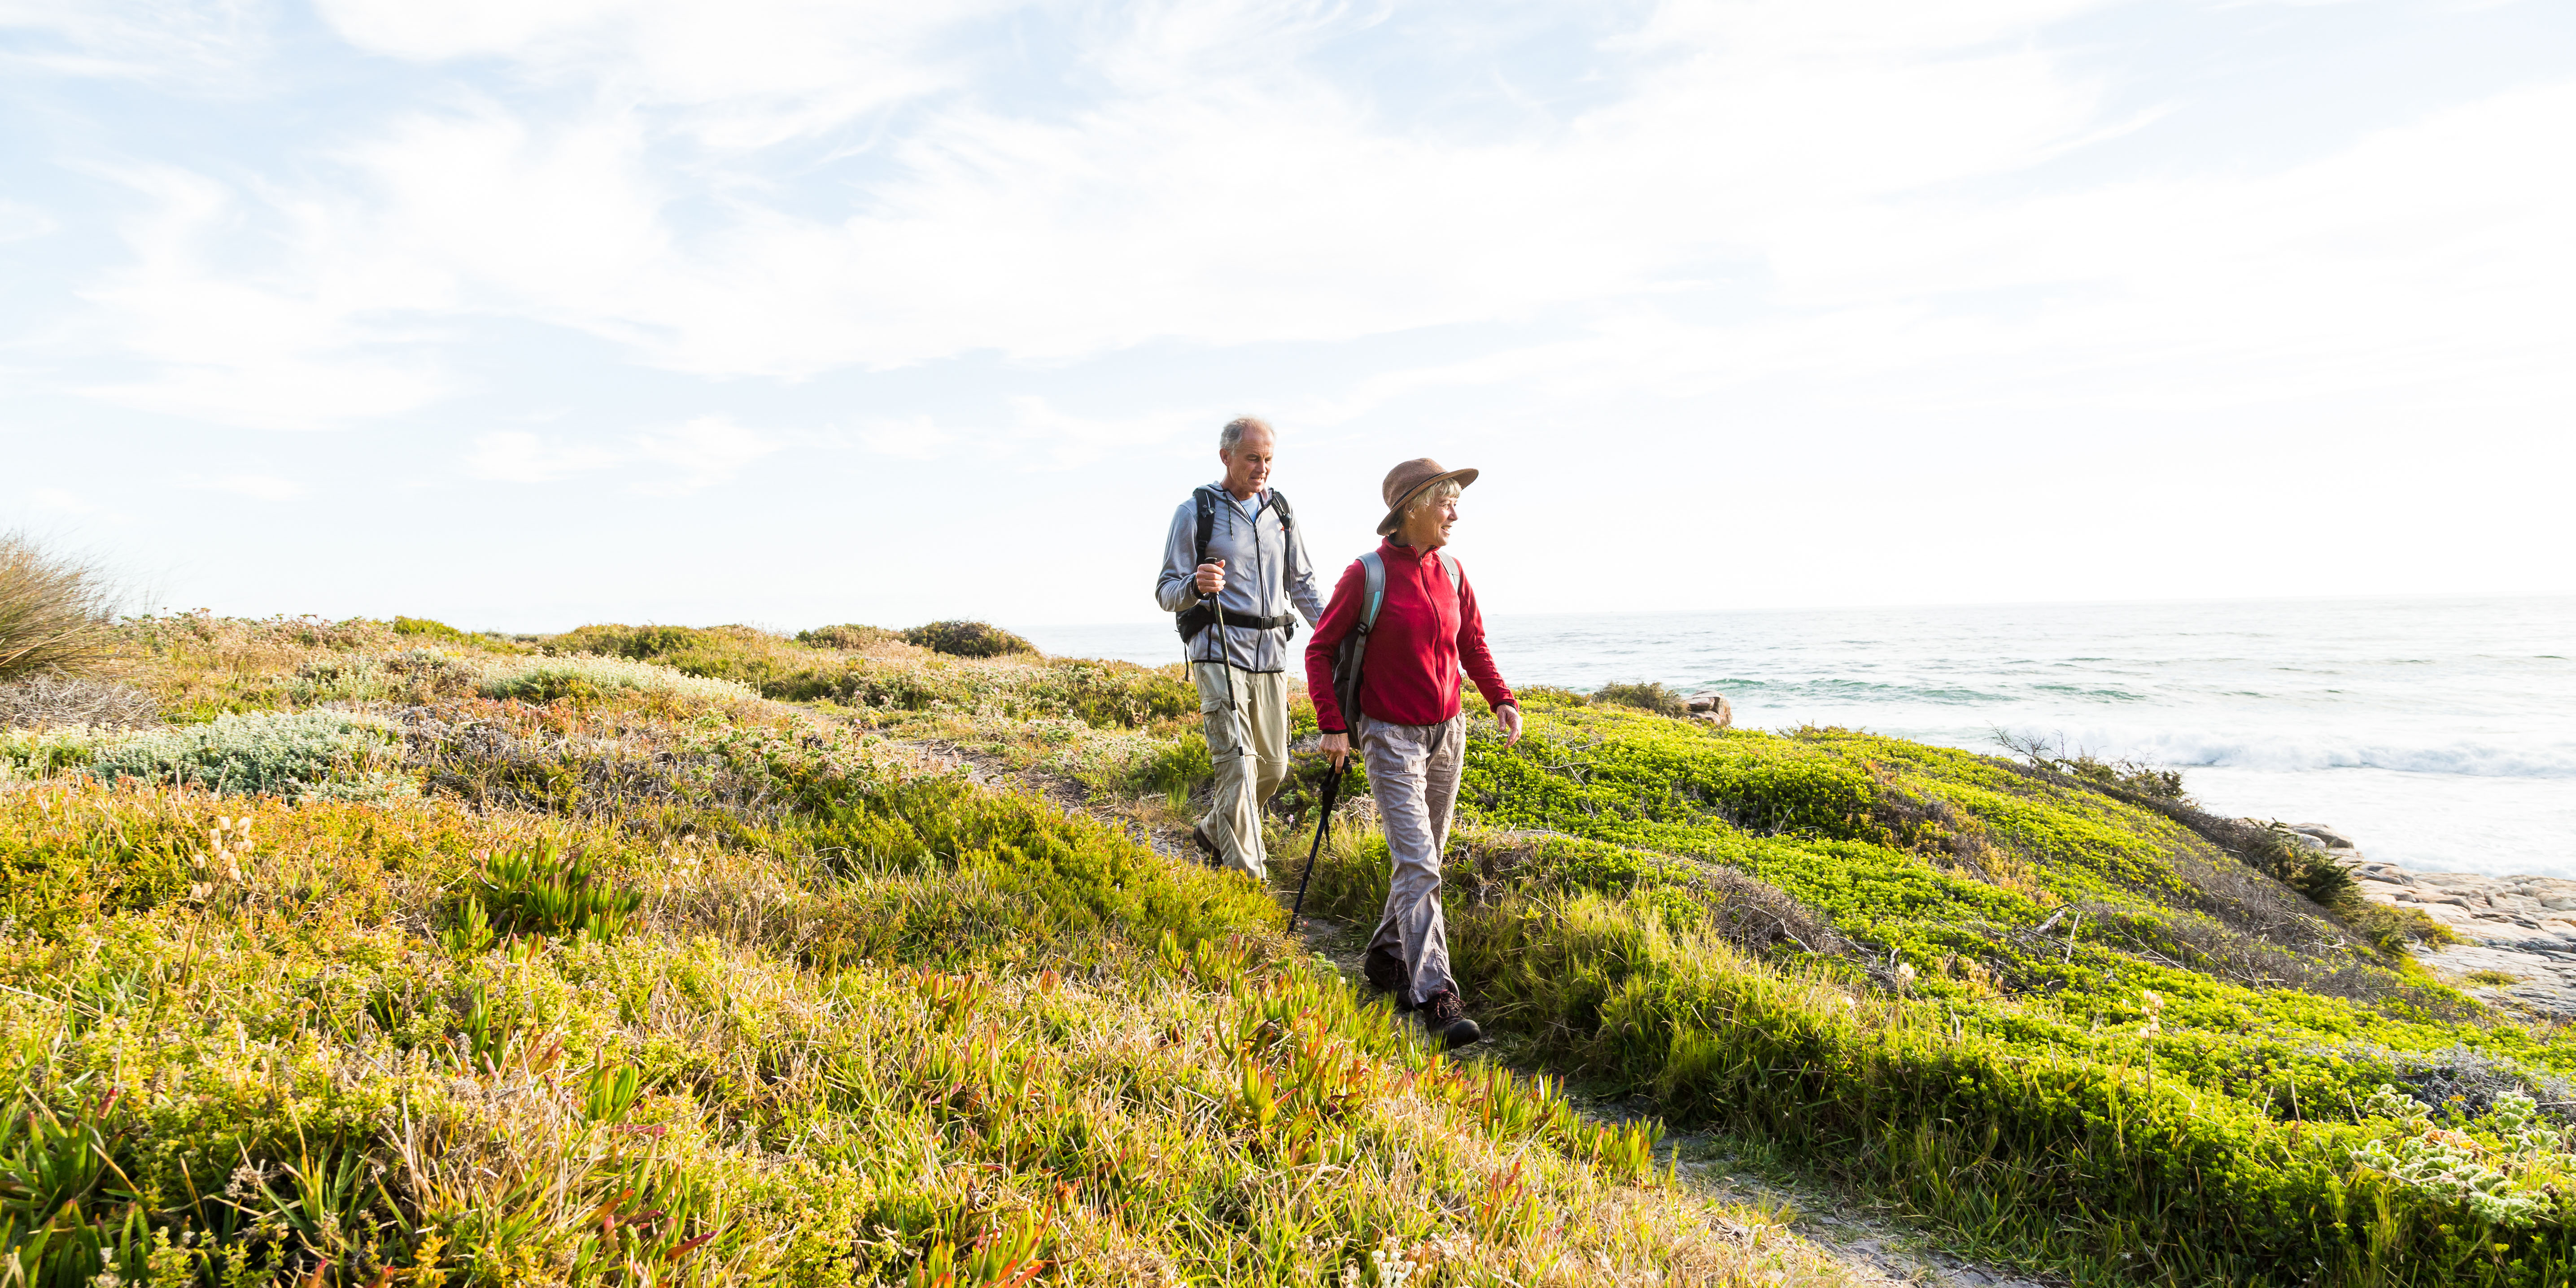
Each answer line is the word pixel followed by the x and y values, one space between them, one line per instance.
pixel 57 612
pixel 46 699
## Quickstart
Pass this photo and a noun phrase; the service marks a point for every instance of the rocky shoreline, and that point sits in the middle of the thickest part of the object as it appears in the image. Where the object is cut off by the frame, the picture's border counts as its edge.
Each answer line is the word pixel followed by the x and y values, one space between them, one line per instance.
pixel 2520 927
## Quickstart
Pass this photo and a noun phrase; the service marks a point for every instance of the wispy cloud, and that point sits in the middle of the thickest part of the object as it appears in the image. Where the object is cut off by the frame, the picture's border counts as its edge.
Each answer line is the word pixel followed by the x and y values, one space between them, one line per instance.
pixel 61 501
pixel 1273 203
pixel 203 46
pixel 20 221
pixel 705 452
pixel 261 487
pixel 514 456
pixel 912 438
pixel 1016 241
pixel 306 341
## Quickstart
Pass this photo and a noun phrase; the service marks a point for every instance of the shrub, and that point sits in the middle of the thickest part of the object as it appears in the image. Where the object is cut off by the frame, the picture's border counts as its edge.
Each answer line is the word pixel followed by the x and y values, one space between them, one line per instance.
pixel 423 626
pixel 283 755
pixel 850 636
pixel 417 629
pixel 2155 782
pixel 775 665
pixel 339 677
pixel 1100 694
pixel 54 699
pixel 1550 695
pixel 586 679
pixel 1644 696
pixel 34 753
pixel 199 666
pixel 967 639
pixel 2144 779
pixel 2302 867
pixel 643 643
pixel 56 613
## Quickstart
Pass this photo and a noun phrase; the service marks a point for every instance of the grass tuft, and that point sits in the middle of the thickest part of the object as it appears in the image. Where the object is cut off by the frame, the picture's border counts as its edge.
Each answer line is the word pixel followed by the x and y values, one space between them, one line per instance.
pixel 57 613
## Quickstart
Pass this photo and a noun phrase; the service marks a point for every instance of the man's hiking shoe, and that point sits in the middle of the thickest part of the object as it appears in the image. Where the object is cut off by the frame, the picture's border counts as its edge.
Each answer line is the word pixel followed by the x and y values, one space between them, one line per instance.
pixel 1207 845
pixel 1386 974
pixel 1446 1018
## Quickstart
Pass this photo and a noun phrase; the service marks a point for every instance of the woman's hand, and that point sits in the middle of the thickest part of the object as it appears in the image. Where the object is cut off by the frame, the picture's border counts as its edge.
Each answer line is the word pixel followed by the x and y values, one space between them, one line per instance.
pixel 1337 746
pixel 1510 719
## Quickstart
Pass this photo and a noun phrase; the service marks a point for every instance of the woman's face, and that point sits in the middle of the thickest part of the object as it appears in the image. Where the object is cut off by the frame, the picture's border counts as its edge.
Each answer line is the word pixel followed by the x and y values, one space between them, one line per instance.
pixel 1426 527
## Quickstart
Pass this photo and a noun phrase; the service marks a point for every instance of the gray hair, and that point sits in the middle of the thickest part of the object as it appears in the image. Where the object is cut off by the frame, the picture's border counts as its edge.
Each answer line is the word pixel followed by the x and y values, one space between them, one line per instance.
pixel 1236 428
pixel 1431 496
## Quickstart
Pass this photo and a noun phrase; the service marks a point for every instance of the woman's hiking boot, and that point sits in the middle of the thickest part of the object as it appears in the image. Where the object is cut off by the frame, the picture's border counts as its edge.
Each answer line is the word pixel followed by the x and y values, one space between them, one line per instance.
pixel 1446 1017
pixel 1386 974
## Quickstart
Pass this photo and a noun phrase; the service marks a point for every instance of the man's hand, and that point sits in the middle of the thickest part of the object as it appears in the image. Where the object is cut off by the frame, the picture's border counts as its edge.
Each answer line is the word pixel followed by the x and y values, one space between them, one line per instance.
pixel 1337 747
pixel 1510 719
pixel 1211 578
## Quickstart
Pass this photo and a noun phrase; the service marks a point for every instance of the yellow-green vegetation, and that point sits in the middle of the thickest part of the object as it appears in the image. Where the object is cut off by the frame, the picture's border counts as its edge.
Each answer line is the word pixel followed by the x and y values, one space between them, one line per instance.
pixel 419 957
pixel 2058 1015
pixel 663 954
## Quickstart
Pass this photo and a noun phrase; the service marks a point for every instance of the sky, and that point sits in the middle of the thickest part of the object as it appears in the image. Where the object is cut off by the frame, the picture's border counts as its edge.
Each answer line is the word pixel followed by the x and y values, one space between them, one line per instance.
pixel 526 313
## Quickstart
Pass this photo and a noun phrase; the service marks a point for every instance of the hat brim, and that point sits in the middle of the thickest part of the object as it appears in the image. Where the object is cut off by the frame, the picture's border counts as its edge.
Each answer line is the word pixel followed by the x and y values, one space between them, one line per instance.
pixel 1395 513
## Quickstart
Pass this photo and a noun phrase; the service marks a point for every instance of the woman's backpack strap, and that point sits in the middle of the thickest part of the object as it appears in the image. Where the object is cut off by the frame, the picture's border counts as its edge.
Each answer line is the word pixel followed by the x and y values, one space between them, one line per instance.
pixel 1354 649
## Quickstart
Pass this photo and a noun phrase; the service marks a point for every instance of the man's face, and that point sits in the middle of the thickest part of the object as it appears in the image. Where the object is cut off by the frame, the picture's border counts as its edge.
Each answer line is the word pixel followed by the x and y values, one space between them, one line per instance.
pixel 1247 463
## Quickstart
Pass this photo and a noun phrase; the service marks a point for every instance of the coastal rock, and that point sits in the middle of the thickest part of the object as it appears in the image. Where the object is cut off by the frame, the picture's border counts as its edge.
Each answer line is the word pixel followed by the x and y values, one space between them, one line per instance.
pixel 2323 835
pixel 1714 708
pixel 2521 928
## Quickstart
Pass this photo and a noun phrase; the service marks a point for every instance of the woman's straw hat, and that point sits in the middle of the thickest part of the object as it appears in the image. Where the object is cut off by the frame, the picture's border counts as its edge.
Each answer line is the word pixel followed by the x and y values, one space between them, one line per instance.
pixel 1407 481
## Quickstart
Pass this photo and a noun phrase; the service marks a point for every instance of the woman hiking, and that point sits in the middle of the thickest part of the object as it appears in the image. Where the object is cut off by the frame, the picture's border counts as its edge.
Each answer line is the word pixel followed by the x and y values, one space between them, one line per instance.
pixel 1408 727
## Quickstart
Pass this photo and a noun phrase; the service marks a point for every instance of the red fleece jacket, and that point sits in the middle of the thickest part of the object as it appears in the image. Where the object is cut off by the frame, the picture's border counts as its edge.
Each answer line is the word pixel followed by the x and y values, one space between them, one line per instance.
pixel 1425 630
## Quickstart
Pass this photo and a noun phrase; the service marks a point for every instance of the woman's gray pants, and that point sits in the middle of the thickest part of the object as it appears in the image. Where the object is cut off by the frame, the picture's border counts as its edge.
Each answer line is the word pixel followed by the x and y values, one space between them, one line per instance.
pixel 1413 773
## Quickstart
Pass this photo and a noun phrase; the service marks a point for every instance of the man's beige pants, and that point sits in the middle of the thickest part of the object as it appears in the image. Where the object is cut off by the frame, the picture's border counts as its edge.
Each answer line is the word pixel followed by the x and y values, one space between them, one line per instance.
pixel 1250 748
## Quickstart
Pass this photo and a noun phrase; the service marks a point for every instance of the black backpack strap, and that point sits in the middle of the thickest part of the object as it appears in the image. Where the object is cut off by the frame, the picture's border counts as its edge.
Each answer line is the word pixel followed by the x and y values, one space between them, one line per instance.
pixel 1207 518
pixel 1287 517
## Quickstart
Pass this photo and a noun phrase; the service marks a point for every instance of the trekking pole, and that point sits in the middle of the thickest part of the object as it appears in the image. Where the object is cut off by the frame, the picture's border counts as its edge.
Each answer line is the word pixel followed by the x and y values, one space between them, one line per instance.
pixel 1323 824
pixel 1225 663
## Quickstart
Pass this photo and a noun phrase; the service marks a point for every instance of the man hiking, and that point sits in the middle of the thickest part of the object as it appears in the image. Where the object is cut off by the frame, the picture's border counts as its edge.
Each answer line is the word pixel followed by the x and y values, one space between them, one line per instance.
pixel 1412 613
pixel 1232 567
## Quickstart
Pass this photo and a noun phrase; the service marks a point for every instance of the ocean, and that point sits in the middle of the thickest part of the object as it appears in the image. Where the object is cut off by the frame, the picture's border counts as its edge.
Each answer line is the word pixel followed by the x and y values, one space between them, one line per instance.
pixel 2436 733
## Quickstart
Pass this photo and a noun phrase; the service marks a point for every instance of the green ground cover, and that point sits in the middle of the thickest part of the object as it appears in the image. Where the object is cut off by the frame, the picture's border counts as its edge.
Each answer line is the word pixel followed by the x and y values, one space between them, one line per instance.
pixel 405 954
pixel 2056 1019
pixel 646 979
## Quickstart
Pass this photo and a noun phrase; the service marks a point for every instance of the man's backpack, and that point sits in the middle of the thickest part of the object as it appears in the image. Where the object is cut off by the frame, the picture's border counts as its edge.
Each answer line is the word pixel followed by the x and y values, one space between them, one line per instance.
pixel 1347 659
pixel 1200 616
